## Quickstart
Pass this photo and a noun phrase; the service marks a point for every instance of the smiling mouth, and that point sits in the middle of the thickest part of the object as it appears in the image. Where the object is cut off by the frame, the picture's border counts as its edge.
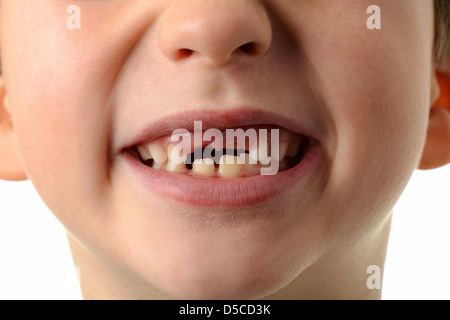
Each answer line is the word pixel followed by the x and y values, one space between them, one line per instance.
pixel 230 157
pixel 210 172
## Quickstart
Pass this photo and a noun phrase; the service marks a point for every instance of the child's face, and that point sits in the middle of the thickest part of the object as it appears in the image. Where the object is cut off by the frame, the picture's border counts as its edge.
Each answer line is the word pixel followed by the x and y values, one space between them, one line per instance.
pixel 81 98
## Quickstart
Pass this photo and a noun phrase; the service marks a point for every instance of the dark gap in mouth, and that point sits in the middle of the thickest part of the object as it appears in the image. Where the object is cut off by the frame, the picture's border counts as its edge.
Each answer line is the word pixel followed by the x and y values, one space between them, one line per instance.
pixel 148 163
pixel 213 154
pixel 293 162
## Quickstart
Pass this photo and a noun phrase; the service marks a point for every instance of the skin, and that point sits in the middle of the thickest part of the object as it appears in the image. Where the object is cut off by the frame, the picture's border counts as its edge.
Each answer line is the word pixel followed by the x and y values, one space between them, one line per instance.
pixel 75 96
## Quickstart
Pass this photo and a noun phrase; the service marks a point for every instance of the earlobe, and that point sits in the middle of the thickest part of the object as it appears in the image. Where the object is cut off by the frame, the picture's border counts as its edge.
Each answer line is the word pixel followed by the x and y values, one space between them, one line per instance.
pixel 437 148
pixel 11 167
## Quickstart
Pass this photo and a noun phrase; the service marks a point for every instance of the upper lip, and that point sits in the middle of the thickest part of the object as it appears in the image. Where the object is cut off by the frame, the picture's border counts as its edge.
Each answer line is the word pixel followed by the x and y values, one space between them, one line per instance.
pixel 230 118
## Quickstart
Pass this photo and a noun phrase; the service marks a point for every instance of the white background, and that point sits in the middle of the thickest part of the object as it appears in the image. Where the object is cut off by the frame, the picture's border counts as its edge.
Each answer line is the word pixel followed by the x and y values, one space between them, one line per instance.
pixel 35 261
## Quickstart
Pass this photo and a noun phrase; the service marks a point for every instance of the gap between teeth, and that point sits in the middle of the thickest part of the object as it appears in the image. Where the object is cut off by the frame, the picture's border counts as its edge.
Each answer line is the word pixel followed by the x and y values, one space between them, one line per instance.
pixel 249 164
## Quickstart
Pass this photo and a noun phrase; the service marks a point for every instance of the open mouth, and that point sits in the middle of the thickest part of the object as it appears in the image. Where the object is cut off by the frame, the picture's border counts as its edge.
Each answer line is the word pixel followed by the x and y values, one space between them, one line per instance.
pixel 234 156
pixel 282 155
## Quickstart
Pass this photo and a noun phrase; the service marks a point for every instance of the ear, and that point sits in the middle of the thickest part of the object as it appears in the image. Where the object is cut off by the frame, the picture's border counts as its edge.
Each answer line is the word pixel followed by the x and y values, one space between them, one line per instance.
pixel 11 167
pixel 437 148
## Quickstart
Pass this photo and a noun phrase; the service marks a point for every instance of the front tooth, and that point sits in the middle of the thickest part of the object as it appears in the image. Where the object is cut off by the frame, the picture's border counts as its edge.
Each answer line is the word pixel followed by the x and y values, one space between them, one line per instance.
pixel 293 149
pixel 204 168
pixel 175 167
pixel 230 166
pixel 157 152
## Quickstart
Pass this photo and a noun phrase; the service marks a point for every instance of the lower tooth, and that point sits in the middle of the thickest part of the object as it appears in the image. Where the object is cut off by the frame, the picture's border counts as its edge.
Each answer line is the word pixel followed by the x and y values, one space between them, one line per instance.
pixel 204 168
pixel 230 166
pixel 251 170
pixel 175 168
pixel 158 166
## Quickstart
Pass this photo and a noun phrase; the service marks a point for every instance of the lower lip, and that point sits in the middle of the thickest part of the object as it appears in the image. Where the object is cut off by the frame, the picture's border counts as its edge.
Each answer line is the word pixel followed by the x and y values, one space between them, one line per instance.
pixel 233 192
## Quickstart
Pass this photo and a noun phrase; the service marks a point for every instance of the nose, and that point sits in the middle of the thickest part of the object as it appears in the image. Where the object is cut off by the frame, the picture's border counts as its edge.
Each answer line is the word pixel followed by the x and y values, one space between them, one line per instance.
pixel 214 30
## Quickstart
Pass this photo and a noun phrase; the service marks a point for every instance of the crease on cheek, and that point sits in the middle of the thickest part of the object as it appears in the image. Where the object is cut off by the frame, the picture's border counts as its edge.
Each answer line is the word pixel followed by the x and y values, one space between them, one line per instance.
pixel 377 134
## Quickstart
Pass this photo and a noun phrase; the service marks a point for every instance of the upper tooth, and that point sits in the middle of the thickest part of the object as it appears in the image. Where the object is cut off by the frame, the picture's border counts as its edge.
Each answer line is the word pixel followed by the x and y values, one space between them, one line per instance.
pixel 230 166
pixel 253 154
pixel 260 151
pixel 157 152
pixel 175 153
pixel 204 167
pixel 143 152
pixel 282 152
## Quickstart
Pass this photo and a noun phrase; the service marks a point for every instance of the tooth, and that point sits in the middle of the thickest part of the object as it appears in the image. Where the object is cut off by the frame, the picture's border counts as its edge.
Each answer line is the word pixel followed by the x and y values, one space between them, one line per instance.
pixel 143 152
pixel 175 168
pixel 293 149
pixel 175 153
pixel 157 152
pixel 204 168
pixel 253 154
pixel 250 170
pixel 260 151
pixel 230 166
pixel 282 152
pixel 158 166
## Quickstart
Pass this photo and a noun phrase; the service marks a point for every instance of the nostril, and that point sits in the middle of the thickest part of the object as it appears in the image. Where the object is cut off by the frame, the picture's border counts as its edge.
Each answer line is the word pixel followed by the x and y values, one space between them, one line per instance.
pixel 213 31
pixel 249 48
pixel 184 53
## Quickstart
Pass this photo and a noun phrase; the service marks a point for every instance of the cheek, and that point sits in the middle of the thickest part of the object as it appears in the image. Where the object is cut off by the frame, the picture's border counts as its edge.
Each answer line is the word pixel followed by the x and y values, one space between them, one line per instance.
pixel 381 113
pixel 379 100
pixel 376 85
pixel 59 107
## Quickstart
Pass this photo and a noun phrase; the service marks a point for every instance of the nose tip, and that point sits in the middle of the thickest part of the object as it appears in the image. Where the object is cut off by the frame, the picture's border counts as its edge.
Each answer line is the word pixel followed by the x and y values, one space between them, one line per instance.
pixel 215 30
